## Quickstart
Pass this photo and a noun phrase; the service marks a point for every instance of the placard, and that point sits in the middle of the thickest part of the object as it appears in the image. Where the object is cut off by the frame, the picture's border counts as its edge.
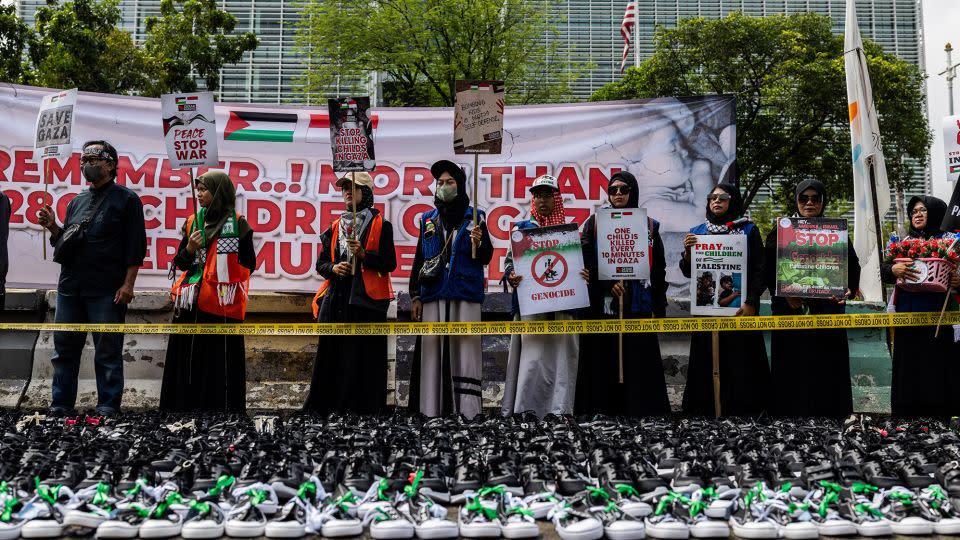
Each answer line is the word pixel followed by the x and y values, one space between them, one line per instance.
pixel 53 135
pixel 951 146
pixel 351 134
pixel 718 276
pixel 190 129
pixel 623 243
pixel 478 117
pixel 550 260
pixel 812 257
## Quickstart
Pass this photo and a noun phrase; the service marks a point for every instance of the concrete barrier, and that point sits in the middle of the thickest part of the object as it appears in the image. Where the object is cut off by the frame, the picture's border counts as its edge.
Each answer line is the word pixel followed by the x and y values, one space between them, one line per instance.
pixel 279 368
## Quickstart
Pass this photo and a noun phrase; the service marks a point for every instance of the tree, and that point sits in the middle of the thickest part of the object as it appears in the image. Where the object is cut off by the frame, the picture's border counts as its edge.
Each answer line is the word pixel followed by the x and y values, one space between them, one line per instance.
pixel 79 45
pixel 787 74
pixel 423 46
pixel 15 37
pixel 192 42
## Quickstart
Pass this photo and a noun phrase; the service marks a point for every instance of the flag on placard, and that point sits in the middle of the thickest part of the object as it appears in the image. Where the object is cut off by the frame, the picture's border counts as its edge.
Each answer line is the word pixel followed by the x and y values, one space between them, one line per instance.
pixel 951 220
pixel 260 126
pixel 864 142
pixel 626 31
pixel 318 128
pixel 619 215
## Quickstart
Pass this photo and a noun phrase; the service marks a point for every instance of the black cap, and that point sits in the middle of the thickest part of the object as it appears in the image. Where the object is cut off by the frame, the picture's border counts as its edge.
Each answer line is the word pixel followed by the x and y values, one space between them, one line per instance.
pixel 446 166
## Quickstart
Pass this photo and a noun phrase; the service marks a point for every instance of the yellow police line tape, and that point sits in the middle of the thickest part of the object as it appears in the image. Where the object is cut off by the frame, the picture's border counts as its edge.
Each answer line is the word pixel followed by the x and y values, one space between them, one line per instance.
pixel 604 326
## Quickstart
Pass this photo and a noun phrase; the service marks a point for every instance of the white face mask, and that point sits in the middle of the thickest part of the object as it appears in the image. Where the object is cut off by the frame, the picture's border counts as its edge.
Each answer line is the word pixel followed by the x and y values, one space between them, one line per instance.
pixel 447 192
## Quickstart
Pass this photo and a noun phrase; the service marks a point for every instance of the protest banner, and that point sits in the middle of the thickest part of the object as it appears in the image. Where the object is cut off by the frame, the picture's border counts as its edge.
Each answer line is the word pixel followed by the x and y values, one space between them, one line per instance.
pixel 550 260
pixel 351 134
pixel 812 257
pixel 287 188
pixel 951 146
pixel 478 117
pixel 718 274
pixel 54 128
pixel 190 129
pixel 623 243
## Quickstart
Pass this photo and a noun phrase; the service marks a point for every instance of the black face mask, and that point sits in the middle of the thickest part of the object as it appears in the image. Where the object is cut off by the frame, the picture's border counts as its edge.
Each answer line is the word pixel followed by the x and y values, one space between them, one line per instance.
pixel 92 173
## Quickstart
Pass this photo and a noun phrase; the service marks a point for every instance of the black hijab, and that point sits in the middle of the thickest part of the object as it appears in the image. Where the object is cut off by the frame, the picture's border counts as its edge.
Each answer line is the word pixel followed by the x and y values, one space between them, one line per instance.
pixel 453 212
pixel 222 206
pixel 733 211
pixel 815 185
pixel 936 209
pixel 633 200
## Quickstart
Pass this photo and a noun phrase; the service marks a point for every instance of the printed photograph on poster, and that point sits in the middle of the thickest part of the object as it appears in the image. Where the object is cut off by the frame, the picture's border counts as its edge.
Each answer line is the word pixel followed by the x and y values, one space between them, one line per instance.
pixel 190 129
pixel 623 243
pixel 951 146
pixel 718 277
pixel 54 129
pixel 550 260
pixel 478 117
pixel 351 134
pixel 812 257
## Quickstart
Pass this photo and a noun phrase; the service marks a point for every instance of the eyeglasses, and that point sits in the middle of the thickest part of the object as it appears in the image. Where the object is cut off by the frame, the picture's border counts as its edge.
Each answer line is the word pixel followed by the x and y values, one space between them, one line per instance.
pixel 918 211
pixel 815 199
pixel 619 190
pixel 718 197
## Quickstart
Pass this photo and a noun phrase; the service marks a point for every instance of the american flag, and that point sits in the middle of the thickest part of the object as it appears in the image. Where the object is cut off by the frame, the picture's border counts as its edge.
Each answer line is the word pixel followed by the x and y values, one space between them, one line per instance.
pixel 626 30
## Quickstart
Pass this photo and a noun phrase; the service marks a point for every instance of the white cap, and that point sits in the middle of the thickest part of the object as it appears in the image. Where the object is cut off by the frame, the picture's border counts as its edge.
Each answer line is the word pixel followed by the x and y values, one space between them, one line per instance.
pixel 545 181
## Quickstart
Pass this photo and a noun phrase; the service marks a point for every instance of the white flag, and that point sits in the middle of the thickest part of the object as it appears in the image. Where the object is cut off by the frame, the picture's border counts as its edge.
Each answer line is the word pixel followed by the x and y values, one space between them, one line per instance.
pixel 865 142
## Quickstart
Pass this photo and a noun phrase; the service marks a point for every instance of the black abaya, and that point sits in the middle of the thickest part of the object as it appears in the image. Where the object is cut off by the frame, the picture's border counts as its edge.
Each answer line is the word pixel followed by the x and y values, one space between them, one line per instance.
pixel 744 371
pixel 350 373
pixel 644 388
pixel 205 372
pixel 810 369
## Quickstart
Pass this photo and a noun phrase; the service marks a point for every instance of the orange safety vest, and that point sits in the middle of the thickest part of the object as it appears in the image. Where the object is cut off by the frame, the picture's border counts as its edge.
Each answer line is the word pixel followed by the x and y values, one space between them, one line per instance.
pixel 377 284
pixel 216 297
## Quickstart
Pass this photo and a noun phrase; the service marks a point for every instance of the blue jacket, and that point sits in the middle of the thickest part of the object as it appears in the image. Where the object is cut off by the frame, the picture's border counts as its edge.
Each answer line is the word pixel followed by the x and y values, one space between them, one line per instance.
pixel 463 279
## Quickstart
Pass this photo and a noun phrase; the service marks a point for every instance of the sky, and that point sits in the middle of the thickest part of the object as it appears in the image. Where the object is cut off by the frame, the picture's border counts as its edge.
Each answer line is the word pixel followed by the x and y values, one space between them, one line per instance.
pixel 941 22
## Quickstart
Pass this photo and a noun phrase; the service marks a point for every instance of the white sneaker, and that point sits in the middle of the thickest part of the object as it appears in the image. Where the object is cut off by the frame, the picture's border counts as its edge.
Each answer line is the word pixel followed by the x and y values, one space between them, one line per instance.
pixel 516 520
pixel 477 520
pixel 53 503
pixel 339 517
pixel 572 521
pixel 247 519
pixel 205 520
pixel 96 503
pixel 388 523
pixel 429 519
pixel 164 520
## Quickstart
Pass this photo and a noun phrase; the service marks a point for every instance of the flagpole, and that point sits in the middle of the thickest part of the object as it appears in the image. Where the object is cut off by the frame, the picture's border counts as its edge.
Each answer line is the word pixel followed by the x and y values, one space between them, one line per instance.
pixel 636 34
pixel 46 186
pixel 476 165
pixel 871 163
pixel 353 228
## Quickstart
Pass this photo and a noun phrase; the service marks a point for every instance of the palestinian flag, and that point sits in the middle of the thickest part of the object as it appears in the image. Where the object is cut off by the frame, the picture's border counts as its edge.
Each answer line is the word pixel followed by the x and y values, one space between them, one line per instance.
pixel 348 103
pixel 954 169
pixel 260 126
pixel 618 215
pixel 481 86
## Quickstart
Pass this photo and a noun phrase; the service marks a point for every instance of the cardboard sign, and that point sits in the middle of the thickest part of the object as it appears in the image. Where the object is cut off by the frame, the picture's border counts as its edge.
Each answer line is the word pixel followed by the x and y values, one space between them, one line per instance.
pixel 812 257
pixel 550 261
pixel 351 134
pixel 54 130
pixel 623 243
pixel 190 129
pixel 478 117
pixel 951 146
pixel 718 274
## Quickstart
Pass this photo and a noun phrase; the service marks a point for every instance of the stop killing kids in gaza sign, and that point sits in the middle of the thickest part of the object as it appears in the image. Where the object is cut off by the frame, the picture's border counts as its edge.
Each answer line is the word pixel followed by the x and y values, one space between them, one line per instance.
pixel 550 261
pixel 351 134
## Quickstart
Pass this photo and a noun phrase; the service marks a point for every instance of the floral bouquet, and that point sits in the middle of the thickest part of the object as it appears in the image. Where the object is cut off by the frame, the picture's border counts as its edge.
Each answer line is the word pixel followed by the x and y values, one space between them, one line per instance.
pixel 935 259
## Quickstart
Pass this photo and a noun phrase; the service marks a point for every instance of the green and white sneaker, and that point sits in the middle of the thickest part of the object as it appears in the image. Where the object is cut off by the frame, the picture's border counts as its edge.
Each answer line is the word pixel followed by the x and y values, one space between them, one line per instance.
pixel 96 504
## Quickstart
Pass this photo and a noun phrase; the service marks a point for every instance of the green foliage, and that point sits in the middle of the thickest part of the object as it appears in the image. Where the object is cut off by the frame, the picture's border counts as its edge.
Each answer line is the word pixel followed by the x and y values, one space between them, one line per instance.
pixel 423 46
pixel 15 37
pixel 190 42
pixel 78 45
pixel 787 73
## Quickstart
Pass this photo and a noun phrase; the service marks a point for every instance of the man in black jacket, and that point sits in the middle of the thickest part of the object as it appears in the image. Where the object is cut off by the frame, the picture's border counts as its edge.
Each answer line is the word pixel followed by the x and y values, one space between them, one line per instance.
pixel 96 283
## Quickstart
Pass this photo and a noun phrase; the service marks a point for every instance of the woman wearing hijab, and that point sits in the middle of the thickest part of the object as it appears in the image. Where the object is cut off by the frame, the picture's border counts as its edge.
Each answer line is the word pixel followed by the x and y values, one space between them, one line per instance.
pixel 541 369
pixel 644 389
pixel 216 255
pixel 925 372
pixel 810 368
pixel 447 284
pixel 350 372
pixel 744 373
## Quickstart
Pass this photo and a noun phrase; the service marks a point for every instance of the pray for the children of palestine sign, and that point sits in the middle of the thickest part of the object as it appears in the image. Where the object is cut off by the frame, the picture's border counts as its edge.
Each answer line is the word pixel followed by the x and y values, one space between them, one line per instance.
pixel 718 274
pixel 478 117
pixel 54 130
pixel 812 257
pixel 550 260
